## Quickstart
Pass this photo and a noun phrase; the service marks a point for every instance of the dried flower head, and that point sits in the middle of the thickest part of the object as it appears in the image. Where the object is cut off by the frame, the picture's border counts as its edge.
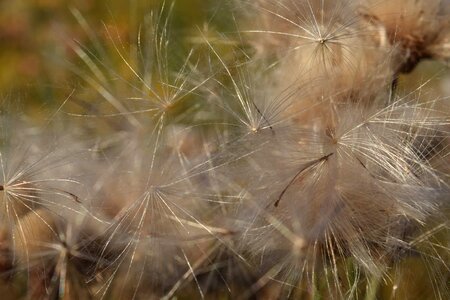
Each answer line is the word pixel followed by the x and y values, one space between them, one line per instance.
pixel 418 28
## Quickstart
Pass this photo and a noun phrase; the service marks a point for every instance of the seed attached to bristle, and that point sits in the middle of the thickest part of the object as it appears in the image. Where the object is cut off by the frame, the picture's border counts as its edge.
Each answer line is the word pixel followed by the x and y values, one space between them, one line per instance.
pixel 298 176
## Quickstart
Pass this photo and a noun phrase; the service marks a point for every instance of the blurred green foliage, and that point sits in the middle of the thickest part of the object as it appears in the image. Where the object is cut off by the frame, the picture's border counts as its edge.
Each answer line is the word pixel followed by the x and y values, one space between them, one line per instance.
pixel 35 39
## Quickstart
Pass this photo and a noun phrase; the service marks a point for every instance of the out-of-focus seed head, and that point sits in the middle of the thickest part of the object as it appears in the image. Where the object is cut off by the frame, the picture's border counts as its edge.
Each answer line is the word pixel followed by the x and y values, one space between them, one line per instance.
pixel 419 29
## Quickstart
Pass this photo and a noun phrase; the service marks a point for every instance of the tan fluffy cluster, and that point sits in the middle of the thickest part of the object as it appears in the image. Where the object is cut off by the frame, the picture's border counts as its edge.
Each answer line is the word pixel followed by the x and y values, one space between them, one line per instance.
pixel 418 28
pixel 300 169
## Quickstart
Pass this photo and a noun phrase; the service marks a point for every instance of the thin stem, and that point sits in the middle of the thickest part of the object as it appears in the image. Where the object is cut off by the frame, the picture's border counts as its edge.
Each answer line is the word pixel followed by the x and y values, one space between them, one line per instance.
pixel 393 90
pixel 294 179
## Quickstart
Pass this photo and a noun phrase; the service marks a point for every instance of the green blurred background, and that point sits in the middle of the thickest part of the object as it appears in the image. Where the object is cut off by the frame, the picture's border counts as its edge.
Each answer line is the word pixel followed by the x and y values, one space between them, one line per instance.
pixel 35 37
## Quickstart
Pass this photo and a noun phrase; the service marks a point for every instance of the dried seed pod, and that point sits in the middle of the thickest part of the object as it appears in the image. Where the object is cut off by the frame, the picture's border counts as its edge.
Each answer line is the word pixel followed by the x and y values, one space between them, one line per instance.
pixel 417 28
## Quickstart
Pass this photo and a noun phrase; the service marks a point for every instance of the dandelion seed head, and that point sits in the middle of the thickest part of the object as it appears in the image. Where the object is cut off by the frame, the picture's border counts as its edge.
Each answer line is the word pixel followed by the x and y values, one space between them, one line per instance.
pixel 345 186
